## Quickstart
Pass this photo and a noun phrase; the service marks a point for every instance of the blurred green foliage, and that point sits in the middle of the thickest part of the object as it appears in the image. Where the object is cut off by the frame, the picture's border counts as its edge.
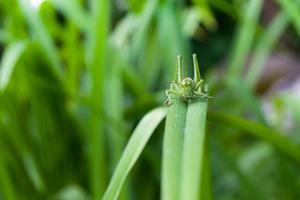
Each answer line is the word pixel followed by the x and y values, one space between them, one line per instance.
pixel 76 76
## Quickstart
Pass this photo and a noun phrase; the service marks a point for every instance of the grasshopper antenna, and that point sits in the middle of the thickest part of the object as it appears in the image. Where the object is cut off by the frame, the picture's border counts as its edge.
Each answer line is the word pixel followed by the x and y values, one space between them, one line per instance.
pixel 178 73
pixel 197 75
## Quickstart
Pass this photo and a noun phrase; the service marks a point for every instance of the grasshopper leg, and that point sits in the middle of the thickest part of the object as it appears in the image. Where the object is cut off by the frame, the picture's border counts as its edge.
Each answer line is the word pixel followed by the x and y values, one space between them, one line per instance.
pixel 198 85
pixel 201 95
pixel 169 93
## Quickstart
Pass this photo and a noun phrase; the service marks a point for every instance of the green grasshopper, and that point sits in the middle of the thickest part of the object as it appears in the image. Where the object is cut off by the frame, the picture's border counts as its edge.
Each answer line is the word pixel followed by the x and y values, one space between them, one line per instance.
pixel 187 89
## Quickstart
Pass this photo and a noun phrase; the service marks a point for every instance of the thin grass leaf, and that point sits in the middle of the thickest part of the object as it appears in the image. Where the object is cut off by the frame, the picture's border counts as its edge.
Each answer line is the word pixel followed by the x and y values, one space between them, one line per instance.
pixel 74 12
pixel 40 31
pixel 275 138
pixel 205 187
pixel 205 14
pixel 114 108
pixel 170 44
pixel 225 7
pixel 193 150
pixel 243 43
pixel 264 48
pixel 150 62
pixel 7 187
pixel 292 9
pixel 172 149
pixel 143 30
pixel 96 56
pixel 244 37
pixel 173 144
pixel 130 80
pixel 292 102
pixel 247 97
pixel 135 5
pixel 113 94
pixel 73 51
pixel 193 145
pixel 16 134
pixel 33 172
pixel 9 60
pixel 133 150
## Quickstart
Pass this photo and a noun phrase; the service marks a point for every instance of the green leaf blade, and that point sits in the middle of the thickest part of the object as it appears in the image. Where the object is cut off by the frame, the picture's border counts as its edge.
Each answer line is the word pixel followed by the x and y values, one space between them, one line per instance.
pixel 133 150
pixel 292 9
pixel 172 149
pixel 244 38
pixel 264 48
pixel 9 60
pixel 7 187
pixel 193 150
pixel 277 139
pixel 96 58
pixel 35 22
pixel 74 11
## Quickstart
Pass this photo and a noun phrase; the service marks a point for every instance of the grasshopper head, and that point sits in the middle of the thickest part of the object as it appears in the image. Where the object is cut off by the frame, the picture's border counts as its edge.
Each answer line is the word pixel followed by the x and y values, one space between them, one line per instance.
pixel 187 82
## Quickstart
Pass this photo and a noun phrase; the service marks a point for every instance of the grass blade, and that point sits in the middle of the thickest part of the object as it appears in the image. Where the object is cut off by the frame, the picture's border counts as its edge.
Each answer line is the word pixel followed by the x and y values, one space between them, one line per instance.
pixel 244 38
pixel 264 47
pixel 193 150
pixel 275 138
pixel 113 93
pixel 170 44
pixel 133 150
pixel 248 98
pixel 96 59
pixel 193 145
pixel 33 172
pixel 7 187
pixel 173 143
pixel 292 9
pixel 74 12
pixel 226 7
pixel 9 60
pixel 172 149
pixel 145 22
pixel 205 171
pixel 42 35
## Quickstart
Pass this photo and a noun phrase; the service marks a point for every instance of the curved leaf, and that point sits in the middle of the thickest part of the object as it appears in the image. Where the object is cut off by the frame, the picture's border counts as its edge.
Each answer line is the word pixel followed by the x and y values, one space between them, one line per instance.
pixel 133 150
pixel 275 138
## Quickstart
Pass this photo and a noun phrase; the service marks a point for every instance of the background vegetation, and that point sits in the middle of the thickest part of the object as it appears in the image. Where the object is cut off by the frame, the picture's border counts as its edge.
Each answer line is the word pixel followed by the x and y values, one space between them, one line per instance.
pixel 76 77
